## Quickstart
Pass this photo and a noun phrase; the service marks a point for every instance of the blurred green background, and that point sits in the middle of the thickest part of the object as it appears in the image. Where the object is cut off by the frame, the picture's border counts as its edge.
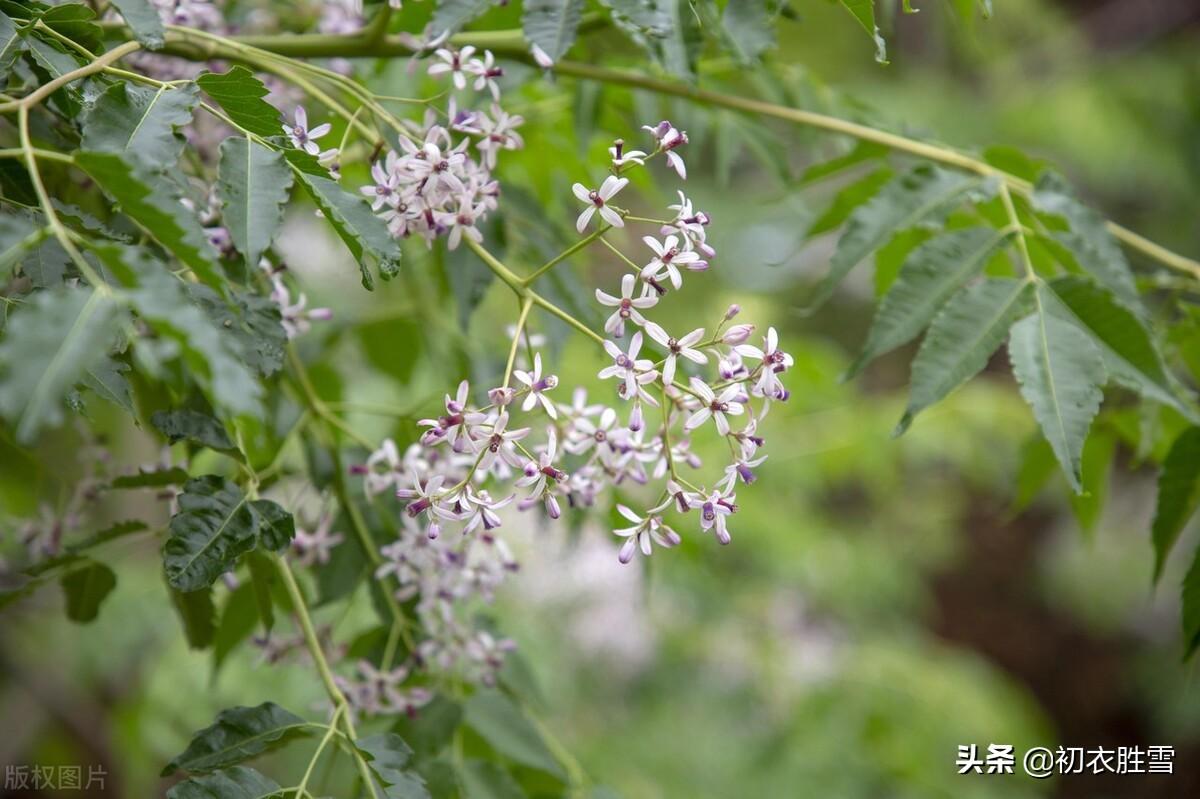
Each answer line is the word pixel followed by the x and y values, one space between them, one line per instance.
pixel 883 601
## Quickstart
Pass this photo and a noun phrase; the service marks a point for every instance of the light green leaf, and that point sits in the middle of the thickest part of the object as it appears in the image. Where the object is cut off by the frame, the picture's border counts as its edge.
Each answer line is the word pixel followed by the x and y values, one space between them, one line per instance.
pixel 85 588
pixel 848 199
pixel 924 193
pixel 239 733
pixel 431 730
pixel 364 234
pixel 47 348
pixel 861 153
pixel 214 527
pixel 1096 466
pixel 1130 352
pixel 481 779
pixel 197 614
pixel 1060 372
pixel 253 183
pixel 964 334
pixel 240 95
pixel 1178 494
pixel 503 725
pixel 864 12
pixel 387 754
pixel 238 782
pixel 184 423
pixel 552 24
pixel 106 378
pixel 930 274
pixel 143 20
pixel 749 28
pixel 451 15
pixel 139 123
pixel 154 204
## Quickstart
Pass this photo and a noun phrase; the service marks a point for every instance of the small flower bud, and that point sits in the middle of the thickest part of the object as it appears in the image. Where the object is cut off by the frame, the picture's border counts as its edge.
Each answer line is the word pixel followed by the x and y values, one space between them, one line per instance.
pixel 635 417
pixel 738 334
pixel 501 396
pixel 733 311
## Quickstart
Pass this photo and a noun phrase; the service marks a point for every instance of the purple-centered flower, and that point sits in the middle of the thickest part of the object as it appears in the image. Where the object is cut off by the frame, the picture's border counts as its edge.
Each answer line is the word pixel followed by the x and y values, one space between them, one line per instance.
pixel 597 200
pixel 456 426
pixel 627 368
pixel 642 533
pixel 714 508
pixel 537 386
pixel 627 306
pixel 499 444
pixel 668 138
pixel 621 156
pixel 386 191
pixel 486 72
pixel 498 132
pixel 668 257
pixel 482 511
pixel 774 362
pixel 423 496
pixel 715 406
pixel 740 469
pixel 313 548
pixel 456 63
pixel 586 435
pixel 538 475
pixel 677 347
pixel 301 136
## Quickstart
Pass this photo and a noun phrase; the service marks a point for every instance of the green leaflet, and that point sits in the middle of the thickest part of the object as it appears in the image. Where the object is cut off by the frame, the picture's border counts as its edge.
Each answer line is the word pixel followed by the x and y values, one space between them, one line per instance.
pixel 387 755
pixel 849 198
pixel 930 274
pixel 665 29
pixel 197 614
pixel 85 588
pixel 1088 239
pixel 150 478
pixel 19 233
pixel 1178 495
pixel 74 21
pixel 254 183
pixel 139 123
pixel 552 24
pixel 864 12
pixel 964 334
pixel 451 15
pixel 1060 371
pixel 251 319
pixel 238 782
pixel 749 28
pixel 237 734
pixel 862 152
pixel 364 234
pixel 1191 608
pixel 106 378
pixel 215 525
pixel 238 618
pixel 1130 352
pixel 11 42
pixel 47 348
pixel 905 201
pixel 503 725
pixel 482 779
pixel 184 423
pixel 49 57
pixel 143 20
pixel 214 355
pixel 150 200
pixel 240 95
pixel 276 527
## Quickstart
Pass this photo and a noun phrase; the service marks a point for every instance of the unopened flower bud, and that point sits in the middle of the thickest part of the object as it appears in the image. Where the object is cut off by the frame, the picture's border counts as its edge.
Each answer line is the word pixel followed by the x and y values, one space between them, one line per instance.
pixel 733 311
pixel 738 334
pixel 501 396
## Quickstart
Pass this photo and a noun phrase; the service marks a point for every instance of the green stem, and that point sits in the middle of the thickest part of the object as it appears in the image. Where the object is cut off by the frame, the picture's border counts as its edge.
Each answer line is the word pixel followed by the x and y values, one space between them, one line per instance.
pixel 526 304
pixel 567 253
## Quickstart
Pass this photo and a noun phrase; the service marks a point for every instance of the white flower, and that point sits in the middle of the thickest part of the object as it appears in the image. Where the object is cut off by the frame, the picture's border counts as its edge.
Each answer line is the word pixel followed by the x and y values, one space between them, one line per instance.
pixel 455 62
pixel 486 73
pixel 668 257
pixel 774 362
pixel 627 305
pixel 715 406
pixel 301 136
pixel 621 156
pixel 642 533
pixel 669 138
pixel 537 385
pixel 483 511
pixel 627 367
pixel 713 510
pixel 597 200
pixel 676 347
pixel 499 444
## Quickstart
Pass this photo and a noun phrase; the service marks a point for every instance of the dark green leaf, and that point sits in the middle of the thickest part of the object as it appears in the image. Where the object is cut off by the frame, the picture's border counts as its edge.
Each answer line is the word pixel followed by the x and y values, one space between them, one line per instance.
pixel 143 20
pixel 929 276
pixel 251 319
pixel 263 579
pixel 451 15
pixel 154 478
pixel 502 724
pixel 241 95
pixel 276 527
pixel 431 730
pixel 18 234
pixel 1191 608
pixel 387 754
pixel 11 42
pixel 1178 494
pixel 861 153
pixel 238 782
pixel 50 59
pixel 1060 372
pixel 154 203
pixel 74 21
pixel 964 334
pixel 215 525
pixel 238 618
pixel 253 184
pixel 47 348
pixel 552 24
pixel 239 733
pixel 197 614
pixel 749 28
pixel 364 234
pixel 139 123
pixel 183 423
pixel 85 588
pixel 483 780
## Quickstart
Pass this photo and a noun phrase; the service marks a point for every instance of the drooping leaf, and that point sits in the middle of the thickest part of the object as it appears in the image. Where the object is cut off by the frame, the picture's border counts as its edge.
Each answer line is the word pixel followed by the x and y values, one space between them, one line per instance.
pixel 482 779
pixel 928 277
pixel 238 782
pixel 238 618
pixel 239 733
pixel 387 755
pixel 502 724
pixel 863 12
pixel 252 319
pixel 1096 467
pixel 1178 494
pixel 1088 238
pixel 240 95
pixel 964 334
pixel 925 192
pixel 184 423
pixel 197 615
pixel 85 588
pixel 47 348
pixel 749 28
pixel 151 478
pixel 154 203
pixel 1060 371
pixel 276 527
pixel 451 15
pixel 364 234
pixel 1130 352
pixel 263 579
pixel 143 20
pixel 215 525
pixel 253 183
pixel 552 24
pixel 106 378
pixel 140 123
pixel 1191 608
